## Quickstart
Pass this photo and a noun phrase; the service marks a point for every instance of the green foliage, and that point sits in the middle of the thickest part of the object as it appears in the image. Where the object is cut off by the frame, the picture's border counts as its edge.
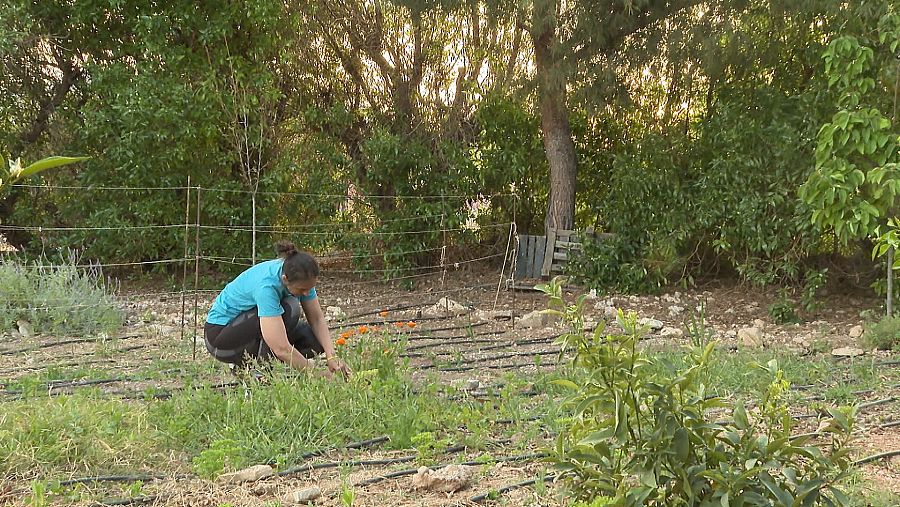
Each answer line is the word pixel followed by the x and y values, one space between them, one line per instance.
pixel 884 334
pixel 642 438
pixel 57 298
pixel 15 173
pixel 782 311
pixel 212 461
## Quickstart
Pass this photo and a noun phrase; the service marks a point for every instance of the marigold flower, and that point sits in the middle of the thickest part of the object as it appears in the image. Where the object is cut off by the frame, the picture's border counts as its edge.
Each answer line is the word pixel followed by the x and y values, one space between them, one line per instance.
pixel 341 341
pixel 363 329
pixel 411 324
pixel 399 324
pixel 383 313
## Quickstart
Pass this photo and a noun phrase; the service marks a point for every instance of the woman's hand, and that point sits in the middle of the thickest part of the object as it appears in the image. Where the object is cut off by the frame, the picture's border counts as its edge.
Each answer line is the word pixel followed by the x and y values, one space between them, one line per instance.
pixel 335 365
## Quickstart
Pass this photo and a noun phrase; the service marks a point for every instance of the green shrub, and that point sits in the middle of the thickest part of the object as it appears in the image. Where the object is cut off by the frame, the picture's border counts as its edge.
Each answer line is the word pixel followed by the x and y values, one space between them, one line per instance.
pixel 642 435
pixel 884 334
pixel 782 311
pixel 58 298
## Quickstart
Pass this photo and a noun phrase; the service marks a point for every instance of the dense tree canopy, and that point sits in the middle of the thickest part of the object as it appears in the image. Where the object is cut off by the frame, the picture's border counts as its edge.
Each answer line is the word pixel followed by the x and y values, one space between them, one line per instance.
pixel 686 127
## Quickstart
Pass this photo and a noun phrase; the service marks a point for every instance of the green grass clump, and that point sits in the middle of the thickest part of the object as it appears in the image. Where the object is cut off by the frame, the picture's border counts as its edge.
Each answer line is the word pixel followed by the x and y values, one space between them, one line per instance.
pixel 41 437
pixel 884 334
pixel 56 298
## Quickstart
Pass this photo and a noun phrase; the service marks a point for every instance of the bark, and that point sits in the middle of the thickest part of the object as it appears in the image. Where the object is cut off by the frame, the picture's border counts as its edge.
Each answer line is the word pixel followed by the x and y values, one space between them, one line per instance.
pixel 555 127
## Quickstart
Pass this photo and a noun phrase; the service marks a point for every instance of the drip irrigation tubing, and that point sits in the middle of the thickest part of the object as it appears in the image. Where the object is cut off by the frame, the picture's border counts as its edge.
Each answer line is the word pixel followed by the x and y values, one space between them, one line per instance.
pixel 353 445
pixel 411 471
pixel 876 457
pixel 137 500
pixel 495 358
pixel 115 478
pixel 10 352
pixel 505 489
pixel 423 346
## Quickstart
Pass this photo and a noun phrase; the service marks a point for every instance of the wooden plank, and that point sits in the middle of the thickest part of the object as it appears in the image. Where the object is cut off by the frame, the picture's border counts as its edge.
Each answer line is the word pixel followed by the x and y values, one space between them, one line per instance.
pixel 540 249
pixel 550 247
pixel 568 245
pixel 560 256
pixel 521 257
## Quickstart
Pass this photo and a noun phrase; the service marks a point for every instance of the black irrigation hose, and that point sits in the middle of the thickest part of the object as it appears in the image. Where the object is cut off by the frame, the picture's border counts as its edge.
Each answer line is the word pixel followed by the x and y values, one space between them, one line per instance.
pixel 456 337
pixel 889 424
pixel 876 457
pixel 110 478
pixel 505 489
pixel 392 309
pixel 411 471
pixel 496 358
pixel 859 407
pixel 9 352
pixel 138 500
pixel 353 445
pixel 336 464
pixel 383 322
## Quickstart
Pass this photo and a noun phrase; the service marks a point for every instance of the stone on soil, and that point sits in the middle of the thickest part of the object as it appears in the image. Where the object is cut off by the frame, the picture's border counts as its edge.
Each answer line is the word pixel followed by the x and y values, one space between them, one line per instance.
pixel 334 313
pixel 751 337
pixel 303 496
pixel 445 307
pixel 847 352
pixel 856 332
pixel 251 474
pixel 654 324
pixel 536 319
pixel 444 480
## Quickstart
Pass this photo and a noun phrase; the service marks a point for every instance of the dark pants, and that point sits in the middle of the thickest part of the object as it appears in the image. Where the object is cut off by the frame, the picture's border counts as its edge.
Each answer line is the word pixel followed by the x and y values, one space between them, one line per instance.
pixel 242 337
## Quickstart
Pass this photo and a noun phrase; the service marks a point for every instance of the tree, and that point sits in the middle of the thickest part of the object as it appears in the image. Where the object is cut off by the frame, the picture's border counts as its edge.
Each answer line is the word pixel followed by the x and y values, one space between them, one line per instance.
pixel 566 35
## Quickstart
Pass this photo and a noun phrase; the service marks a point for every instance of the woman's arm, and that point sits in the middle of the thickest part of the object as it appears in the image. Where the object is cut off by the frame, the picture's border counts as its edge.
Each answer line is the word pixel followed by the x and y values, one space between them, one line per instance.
pixel 316 319
pixel 275 336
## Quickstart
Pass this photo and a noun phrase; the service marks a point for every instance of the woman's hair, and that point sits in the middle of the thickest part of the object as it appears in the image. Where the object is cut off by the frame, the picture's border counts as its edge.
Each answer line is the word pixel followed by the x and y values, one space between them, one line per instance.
pixel 298 266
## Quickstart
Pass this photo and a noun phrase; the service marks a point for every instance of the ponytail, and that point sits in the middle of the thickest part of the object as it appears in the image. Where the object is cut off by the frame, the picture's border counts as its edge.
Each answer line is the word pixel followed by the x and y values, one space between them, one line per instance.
pixel 298 266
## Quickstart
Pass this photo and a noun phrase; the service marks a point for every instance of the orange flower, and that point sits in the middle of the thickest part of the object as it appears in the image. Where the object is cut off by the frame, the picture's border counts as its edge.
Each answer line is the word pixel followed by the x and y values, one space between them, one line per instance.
pixel 399 324
pixel 346 334
pixel 341 341
pixel 411 324
pixel 383 313
pixel 363 329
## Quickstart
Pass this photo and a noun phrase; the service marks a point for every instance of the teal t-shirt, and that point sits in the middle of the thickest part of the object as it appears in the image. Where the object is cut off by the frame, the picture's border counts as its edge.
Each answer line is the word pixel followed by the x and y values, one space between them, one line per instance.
pixel 259 286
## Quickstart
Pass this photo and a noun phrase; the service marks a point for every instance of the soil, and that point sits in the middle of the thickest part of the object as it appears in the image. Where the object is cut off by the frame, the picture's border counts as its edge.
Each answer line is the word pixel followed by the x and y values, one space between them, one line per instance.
pixel 480 345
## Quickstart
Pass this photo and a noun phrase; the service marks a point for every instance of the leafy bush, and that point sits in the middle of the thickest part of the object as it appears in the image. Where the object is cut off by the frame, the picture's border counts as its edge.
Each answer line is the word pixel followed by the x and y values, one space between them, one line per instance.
pixel 642 438
pixel 884 334
pixel 60 298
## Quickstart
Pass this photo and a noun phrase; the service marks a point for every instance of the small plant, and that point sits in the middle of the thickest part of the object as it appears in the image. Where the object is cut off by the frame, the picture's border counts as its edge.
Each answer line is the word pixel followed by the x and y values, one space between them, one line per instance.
pixel 428 447
pixel 213 460
pixel 641 433
pixel 782 311
pixel 884 334
pixel 39 495
pixel 348 495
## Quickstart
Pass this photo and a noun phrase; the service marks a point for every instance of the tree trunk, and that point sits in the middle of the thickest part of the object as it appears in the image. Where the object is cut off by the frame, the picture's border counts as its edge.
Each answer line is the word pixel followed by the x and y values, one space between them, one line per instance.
pixel 555 127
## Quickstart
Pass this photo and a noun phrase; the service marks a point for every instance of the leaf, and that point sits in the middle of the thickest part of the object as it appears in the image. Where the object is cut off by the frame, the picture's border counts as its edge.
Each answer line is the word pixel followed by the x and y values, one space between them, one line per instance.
pixel 740 417
pixel 568 384
pixel 49 163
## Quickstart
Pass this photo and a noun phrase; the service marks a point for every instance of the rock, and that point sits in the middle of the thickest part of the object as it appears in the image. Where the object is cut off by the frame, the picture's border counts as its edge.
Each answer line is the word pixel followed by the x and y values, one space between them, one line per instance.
pixel 264 489
pixel 334 313
pixel 671 332
pixel 655 325
pixel 856 332
pixel 610 312
pixel 675 310
pixel 444 480
pixel 444 307
pixel 304 496
pixel 801 341
pixel 847 352
pixel 25 328
pixel 731 333
pixel 759 323
pixel 751 337
pixel 251 474
pixel 494 314
pixel 536 319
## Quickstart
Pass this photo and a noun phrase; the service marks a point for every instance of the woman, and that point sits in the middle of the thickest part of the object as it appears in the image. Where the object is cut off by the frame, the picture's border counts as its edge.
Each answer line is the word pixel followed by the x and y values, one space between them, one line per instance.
pixel 257 315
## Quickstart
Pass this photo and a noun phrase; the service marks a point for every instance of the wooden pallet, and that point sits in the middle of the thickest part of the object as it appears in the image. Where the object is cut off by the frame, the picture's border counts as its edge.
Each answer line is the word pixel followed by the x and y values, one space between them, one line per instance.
pixel 541 257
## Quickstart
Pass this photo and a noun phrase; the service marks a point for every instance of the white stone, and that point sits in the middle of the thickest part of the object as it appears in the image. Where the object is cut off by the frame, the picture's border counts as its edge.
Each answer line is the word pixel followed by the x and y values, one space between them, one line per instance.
pixel 671 332
pixel 443 480
pixel 751 337
pixel 444 307
pixel 847 352
pixel 856 332
pixel 610 312
pixel 731 333
pixel 654 324
pixel 303 496
pixel 251 474
pixel 675 310
pixel 25 328
pixel 334 313
pixel 759 323
pixel 536 319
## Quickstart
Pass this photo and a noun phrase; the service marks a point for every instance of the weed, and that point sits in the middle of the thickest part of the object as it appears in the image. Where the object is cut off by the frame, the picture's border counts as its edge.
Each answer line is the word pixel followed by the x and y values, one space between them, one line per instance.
pixel 782 311
pixel 428 447
pixel 61 299
pixel 884 334
pixel 214 460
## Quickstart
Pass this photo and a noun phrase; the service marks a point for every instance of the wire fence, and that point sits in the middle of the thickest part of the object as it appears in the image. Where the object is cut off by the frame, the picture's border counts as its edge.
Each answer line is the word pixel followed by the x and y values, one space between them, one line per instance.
pixel 369 253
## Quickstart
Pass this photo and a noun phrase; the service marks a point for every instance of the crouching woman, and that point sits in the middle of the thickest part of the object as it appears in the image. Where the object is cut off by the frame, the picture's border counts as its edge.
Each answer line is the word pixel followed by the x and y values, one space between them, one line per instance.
pixel 257 315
